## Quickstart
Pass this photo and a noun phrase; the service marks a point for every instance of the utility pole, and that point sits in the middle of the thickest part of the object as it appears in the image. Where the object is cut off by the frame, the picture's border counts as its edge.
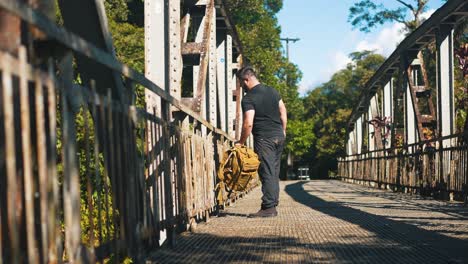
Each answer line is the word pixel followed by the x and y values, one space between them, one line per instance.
pixel 290 159
pixel 287 44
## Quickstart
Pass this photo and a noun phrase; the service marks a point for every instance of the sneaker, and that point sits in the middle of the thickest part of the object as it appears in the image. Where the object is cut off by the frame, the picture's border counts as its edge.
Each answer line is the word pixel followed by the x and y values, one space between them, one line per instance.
pixel 270 212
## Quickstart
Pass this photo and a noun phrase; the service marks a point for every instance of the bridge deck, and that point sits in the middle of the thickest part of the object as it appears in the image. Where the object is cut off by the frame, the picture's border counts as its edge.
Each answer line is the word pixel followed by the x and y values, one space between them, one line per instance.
pixel 329 222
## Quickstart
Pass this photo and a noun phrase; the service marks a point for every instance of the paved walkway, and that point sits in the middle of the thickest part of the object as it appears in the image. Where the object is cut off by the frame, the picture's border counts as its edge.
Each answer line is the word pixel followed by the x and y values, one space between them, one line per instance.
pixel 329 222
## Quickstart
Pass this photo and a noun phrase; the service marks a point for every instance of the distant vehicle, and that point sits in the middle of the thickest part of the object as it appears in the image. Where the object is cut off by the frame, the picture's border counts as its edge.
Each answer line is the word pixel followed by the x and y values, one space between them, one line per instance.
pixel 303 173
pixel 291 175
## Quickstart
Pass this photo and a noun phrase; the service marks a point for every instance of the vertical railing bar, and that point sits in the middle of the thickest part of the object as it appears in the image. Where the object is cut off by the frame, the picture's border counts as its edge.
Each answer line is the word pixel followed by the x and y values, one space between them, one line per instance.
pixel 459 166
pixel 27 162
pixel 168 199
pixel 175 169
pixel 120 170
pixel 1 238
pixel 173 164
pixel 131 155
pixel 132 202
pixel 53 190
pixel 89 187
pixel 163 191
pixel 465 171
pixel 193 182
pixel 129 224
pixel 139 170
pixel 146 166
pixel 106 164
pixel 153 171
pixel 42 161
pixel 12 184
pixel 97 161
pixel 112 173
pixel 63 205
pixel 186 173
pixel 158 187
pixel 71 195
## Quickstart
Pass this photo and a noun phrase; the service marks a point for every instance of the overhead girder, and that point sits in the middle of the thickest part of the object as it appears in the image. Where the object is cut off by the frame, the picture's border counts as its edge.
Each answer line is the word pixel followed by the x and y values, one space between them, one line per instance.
pixel 88 41
pixel 450 13
pixel 405 61
pixel 93 28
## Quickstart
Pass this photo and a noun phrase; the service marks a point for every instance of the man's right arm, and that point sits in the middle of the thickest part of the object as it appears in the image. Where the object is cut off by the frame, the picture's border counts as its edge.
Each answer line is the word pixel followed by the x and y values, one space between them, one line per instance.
pixel 246 126
pixel 283 115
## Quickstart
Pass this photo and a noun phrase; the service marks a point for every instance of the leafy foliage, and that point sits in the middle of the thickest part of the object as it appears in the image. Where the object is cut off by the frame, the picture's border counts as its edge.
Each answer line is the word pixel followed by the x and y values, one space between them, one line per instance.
pixel 461 79
pixel 259 32
pixel 328 107
pixel 367 14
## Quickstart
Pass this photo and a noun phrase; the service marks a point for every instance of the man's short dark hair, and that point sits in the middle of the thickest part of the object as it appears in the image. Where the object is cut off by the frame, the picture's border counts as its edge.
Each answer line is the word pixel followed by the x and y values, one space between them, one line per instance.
pixel 246 72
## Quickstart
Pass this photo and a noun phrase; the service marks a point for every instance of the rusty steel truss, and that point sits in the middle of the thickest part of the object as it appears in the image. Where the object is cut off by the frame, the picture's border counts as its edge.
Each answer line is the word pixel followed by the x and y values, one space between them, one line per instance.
pixel 88 175
pixel 402 132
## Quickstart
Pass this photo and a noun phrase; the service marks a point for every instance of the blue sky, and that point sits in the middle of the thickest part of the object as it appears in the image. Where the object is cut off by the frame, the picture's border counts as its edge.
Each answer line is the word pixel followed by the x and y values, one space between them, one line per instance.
pixel 326 37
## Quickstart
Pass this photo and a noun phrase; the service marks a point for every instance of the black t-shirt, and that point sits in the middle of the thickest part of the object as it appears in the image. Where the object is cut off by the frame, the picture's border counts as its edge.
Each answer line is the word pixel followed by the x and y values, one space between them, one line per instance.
pixel 265 101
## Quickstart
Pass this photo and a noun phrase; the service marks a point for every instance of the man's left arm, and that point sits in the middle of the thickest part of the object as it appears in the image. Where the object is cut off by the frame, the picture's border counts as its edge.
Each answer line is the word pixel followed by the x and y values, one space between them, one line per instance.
pixel 283 115
pixel 247 125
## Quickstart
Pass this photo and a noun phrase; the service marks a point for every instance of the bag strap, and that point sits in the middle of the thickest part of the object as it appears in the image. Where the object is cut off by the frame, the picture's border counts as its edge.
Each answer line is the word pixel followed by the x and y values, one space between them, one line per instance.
pixel 223 165
pixel 237 176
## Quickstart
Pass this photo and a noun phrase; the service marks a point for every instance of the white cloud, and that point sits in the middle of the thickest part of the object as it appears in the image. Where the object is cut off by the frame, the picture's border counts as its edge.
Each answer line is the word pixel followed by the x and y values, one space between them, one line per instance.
pixel 305 87
pixel 427 14
pixel 386 41
pixel 383 42
pixel 338 61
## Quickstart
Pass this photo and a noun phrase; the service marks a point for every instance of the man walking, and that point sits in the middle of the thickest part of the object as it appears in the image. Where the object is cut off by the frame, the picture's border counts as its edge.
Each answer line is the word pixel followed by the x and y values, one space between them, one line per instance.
pixel 266 118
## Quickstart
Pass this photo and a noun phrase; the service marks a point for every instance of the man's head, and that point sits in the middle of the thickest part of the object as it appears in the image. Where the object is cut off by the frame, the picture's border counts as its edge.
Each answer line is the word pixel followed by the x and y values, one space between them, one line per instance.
pixel 247 77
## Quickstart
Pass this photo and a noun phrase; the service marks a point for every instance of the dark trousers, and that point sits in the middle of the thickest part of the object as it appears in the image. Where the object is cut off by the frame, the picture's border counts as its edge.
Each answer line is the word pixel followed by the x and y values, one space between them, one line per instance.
pixel 269 152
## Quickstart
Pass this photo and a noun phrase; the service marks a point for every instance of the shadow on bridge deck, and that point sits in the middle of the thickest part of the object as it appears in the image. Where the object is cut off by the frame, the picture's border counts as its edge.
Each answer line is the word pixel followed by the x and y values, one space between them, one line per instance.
pixel 411 232
pixel 329 222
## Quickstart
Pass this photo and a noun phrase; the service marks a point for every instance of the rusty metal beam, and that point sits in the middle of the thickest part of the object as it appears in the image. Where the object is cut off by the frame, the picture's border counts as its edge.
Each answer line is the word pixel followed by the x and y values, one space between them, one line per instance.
pixel 174 62
pixel 427 28
pixel 203 70
pixel 10 32
pixel 81 46
pixel 95 30
pixel 193 48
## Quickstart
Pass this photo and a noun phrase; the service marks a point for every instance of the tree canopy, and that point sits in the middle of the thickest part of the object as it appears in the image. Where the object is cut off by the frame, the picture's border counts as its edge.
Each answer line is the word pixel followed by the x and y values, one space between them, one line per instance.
pixel 328 107
pixel 368 14
pixel 259 32
pixel 317 122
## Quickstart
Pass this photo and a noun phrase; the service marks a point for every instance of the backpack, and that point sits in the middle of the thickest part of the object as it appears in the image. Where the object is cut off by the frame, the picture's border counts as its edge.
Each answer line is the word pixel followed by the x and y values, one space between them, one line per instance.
pixel 237 171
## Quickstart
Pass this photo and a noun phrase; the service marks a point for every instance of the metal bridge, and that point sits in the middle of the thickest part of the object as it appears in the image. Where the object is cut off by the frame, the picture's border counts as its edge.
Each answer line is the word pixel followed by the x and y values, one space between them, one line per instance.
pixel 100 163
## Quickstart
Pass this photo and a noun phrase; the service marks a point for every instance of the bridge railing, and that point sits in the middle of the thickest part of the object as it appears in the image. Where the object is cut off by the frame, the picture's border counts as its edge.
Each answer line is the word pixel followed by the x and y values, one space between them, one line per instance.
pixel 88 176
pixel 404 132
pixel 426 167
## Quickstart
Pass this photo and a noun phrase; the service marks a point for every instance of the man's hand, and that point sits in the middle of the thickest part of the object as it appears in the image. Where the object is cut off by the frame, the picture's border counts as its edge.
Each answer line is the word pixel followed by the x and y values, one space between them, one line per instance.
pixel 237 143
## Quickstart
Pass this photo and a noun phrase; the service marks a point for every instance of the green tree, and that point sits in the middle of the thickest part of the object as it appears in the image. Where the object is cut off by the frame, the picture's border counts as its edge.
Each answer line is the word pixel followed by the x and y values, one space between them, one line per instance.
pixel 127 33
pixel 259 33
pixel 327 110
pixel 367 14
